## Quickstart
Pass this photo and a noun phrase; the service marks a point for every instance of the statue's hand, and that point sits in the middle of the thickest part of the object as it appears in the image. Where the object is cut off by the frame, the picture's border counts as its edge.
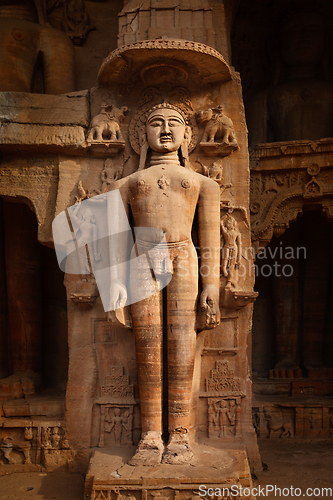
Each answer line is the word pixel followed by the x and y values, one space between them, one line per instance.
pixel 118 296
pixel 209 302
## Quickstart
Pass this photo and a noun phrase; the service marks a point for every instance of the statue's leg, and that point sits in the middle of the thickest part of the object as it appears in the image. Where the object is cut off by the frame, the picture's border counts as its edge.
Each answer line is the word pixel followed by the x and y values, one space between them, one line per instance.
pixel 224 267
pixel 147 326
pixel 182 295
pixel 212 133
pixel 26 453
pixel 113 132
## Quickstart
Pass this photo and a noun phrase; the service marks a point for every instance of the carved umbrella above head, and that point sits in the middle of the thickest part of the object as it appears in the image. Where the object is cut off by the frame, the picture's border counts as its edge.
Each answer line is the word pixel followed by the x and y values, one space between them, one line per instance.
pixel 25 45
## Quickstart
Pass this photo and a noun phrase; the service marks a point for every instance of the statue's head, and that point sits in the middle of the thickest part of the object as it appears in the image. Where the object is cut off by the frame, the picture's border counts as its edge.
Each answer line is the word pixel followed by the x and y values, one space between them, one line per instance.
pixel 166 128
pixel 230 223
pixel 302 39
pixel 88 215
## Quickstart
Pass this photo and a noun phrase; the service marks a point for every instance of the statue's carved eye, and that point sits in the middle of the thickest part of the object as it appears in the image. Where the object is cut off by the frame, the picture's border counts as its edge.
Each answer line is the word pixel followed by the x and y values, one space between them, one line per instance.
pixel 175 123
pixel 155 123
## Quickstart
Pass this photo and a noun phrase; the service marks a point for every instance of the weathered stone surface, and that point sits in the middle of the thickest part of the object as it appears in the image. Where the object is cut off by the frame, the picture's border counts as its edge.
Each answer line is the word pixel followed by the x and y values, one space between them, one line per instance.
pixel 16 408
pixel 42 109
pixel 181 19
pixel 215 468
pixel 17 137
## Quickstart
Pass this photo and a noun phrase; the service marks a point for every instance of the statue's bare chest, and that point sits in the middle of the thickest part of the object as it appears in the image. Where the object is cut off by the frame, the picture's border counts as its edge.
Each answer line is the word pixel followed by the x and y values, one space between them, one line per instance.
pixel 165 186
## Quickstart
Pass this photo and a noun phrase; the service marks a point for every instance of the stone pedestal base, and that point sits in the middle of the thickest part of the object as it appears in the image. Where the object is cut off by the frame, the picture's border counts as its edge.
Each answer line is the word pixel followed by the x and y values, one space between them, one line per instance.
pixel 110 477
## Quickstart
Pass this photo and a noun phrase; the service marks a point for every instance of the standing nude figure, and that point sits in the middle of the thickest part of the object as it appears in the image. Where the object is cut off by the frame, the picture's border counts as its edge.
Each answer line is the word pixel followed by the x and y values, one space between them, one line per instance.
pixel 116 422
pixel 109 174
pixel 231 250
pixel 163 199
pixel 87 230
pixel 221 411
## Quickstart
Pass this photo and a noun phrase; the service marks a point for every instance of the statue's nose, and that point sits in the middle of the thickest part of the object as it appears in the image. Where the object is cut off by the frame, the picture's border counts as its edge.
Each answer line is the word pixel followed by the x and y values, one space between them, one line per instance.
pixel 165 127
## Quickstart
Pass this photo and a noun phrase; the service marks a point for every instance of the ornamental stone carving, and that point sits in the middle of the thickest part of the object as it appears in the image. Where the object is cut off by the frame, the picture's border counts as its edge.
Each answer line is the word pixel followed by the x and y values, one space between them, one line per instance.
pixel 219 135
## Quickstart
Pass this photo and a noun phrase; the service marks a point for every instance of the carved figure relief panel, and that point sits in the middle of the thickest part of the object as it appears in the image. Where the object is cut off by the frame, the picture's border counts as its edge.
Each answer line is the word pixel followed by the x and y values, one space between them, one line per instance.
pixel 223 417
pixel 291 420
pixel 116 404
pixel 40 442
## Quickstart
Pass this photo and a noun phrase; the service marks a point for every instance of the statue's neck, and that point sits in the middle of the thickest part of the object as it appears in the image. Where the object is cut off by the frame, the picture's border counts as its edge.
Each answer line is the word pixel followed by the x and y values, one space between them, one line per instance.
pixel 171 158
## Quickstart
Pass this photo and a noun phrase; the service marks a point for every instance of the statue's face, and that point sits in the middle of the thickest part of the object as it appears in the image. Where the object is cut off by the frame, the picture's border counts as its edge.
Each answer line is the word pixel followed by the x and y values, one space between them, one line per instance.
pixel 303 41
pixel 165 130
pixel 230 224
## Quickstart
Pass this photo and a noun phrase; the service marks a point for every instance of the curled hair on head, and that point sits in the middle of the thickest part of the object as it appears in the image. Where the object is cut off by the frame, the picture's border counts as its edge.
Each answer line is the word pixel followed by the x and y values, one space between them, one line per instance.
pixel 230 218
pixel 167 105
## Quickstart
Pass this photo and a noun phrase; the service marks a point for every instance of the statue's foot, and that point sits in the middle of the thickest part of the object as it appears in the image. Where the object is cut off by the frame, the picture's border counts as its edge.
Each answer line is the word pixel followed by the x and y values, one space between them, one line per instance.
pixel 178 451
pixel 149 451
pixel 231 285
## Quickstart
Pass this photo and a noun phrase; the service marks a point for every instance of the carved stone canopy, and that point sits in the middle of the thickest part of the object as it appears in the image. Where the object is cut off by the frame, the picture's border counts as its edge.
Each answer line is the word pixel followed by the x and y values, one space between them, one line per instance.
pixel 184 59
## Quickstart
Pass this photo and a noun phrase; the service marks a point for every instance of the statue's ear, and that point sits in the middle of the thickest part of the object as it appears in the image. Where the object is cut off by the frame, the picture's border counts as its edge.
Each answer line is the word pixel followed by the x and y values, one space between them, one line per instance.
pixel 188 134
pixel 142 136
pixel 143 147
pixel 184 146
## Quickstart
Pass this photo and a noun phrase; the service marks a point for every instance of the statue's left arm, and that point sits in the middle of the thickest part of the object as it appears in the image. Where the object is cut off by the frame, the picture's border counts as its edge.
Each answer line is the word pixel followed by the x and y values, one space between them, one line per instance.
pixel 209 241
